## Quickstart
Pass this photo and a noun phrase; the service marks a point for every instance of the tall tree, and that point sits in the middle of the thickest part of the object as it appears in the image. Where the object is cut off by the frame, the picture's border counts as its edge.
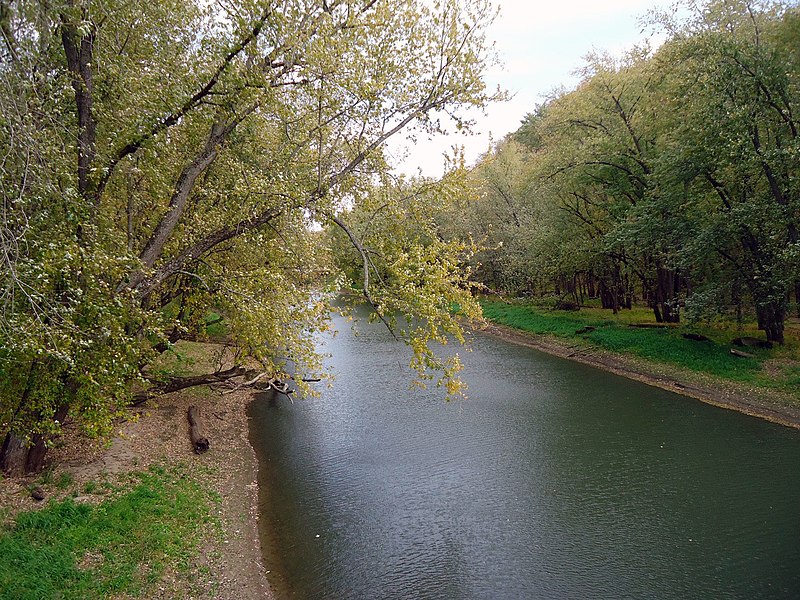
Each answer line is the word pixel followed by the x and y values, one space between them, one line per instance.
pixel 163 157
pixel 734 144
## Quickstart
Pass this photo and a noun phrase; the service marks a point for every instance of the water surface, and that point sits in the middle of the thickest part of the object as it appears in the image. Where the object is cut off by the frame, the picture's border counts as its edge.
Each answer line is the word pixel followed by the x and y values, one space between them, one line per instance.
pixel 554 480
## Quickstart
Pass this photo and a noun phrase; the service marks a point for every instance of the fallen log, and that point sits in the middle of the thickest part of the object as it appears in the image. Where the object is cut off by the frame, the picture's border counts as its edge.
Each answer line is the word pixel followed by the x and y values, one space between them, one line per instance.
pixel 199 440
pixel 270 383
pixel 697 337
pixel 175 384
pixel 741 354
pixel 752 342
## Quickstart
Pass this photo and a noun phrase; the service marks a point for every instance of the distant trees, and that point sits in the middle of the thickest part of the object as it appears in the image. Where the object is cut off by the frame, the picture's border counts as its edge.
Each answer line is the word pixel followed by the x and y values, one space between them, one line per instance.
pixel 671 176
pixel 734 148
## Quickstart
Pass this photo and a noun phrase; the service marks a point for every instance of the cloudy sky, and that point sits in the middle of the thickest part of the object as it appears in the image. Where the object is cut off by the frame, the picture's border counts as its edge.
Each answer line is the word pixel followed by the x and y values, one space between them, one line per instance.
pixel 541 44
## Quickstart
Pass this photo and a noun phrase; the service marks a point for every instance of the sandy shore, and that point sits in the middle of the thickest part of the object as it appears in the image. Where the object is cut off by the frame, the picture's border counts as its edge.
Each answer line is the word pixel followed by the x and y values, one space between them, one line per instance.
pixel 756 402
pixel 235 563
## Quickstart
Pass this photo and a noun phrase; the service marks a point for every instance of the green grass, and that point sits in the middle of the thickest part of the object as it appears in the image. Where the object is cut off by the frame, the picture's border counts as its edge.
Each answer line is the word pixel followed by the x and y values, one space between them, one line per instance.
pixel 121 546
pixel 663 346
pixel 215 325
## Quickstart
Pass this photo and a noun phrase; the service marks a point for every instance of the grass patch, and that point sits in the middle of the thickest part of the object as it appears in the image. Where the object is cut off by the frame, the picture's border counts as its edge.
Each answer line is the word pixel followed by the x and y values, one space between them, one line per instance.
pixel 189 358
pixel 64 481
pixel 215 326
pixel 663 346
pixel 122 546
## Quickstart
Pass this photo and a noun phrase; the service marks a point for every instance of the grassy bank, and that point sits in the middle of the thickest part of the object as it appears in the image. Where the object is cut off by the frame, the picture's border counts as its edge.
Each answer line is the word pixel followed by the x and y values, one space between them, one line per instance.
pixel 777 369
pixel 109 538
pixel 140 515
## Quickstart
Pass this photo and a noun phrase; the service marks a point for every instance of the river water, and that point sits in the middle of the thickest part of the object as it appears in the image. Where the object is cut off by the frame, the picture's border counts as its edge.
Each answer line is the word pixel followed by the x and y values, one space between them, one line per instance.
pixel 553 480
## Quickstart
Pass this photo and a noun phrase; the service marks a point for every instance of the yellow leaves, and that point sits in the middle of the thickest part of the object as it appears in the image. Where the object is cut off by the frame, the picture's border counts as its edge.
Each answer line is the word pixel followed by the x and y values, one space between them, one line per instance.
pixel 419 281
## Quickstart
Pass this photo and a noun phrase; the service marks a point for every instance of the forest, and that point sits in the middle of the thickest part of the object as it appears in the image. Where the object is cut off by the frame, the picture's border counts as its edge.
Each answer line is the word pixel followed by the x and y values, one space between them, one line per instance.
pixel 668 177
pixel 171 165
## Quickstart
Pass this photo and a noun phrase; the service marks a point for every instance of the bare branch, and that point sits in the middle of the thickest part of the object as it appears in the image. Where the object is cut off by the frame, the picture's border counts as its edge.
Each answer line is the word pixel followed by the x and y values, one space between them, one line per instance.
pixel 365 257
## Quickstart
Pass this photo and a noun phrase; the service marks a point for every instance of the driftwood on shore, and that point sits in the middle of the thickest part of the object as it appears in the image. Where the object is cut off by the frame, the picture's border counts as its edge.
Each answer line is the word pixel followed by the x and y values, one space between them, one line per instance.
pixel 199 440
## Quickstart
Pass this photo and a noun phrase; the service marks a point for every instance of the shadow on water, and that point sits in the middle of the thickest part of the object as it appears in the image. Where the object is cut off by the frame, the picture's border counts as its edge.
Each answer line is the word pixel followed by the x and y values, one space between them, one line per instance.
pixel 554 480
pixel 258 412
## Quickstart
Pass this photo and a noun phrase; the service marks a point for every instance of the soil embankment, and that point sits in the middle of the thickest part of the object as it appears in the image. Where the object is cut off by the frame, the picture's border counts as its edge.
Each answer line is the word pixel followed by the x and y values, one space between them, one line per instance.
pixel 229 563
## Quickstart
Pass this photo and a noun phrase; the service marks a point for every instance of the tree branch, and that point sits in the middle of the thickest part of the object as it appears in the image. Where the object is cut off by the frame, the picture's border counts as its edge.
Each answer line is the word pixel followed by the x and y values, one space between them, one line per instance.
pixel 175 384
pixel 146 286
pixel 365 257
pixel 173 118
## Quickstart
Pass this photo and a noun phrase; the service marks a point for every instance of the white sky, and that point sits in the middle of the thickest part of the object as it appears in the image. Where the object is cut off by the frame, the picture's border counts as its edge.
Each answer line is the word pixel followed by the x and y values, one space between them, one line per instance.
pixel 540 44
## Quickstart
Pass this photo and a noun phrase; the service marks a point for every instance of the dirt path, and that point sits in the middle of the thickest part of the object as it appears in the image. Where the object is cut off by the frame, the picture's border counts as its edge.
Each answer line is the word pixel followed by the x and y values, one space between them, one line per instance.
pixel 756 402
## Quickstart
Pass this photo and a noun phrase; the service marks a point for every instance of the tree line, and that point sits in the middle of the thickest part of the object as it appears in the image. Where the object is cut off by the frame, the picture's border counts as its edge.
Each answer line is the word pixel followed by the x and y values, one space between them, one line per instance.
pixel 670 177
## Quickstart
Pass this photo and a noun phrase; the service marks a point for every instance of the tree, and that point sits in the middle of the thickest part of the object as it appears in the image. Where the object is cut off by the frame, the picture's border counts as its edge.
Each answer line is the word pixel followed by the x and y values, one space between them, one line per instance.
pixel 733 147
pixel 162 158
pixel 501 217
pixel 674 174
pixel 418 282
pixel 603 152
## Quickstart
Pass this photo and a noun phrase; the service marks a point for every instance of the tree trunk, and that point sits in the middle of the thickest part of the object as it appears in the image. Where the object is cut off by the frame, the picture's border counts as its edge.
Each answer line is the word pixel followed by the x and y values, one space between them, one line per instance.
pixel 797 296
pixel 13 455
pixel 19 457
pixel 576 289
pixel 657 312
pixel 79 53
pixel 663 301
pixel 771 319
pixel 612 296
pixel 38 449
pixel 591 289
pixel 628 292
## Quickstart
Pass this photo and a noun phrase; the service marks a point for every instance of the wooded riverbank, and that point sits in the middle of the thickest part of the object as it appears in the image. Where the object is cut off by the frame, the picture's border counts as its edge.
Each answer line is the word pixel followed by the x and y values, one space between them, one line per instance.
pixel 208 549
pixel 225 553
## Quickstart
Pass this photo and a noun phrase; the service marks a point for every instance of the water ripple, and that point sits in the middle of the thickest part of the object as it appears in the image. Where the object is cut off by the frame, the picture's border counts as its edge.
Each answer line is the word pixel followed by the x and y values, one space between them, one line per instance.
pixel 553 480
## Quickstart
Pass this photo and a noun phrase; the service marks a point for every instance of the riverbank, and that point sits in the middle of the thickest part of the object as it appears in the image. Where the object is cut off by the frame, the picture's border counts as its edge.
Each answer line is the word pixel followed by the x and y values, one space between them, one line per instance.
pixel 771 405
pixel 225 560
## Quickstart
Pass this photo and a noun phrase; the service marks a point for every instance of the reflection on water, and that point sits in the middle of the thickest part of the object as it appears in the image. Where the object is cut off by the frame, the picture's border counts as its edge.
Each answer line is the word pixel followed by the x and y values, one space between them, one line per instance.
pixel 554 480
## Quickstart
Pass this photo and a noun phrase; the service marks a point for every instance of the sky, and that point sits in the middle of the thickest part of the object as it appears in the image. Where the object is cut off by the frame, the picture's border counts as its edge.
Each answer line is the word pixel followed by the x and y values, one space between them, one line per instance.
pixel 540 45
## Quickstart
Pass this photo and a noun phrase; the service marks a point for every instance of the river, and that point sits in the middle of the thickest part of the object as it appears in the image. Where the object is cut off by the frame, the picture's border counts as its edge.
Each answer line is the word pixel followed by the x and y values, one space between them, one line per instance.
pixel 553 480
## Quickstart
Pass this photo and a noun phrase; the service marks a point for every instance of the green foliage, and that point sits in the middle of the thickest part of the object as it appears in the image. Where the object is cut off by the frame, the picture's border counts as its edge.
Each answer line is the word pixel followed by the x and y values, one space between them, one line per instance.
pixel 410 275
pixel 215 325
pixel 122 546
pixel 667 177
pixel 64 481
pixel 167 159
